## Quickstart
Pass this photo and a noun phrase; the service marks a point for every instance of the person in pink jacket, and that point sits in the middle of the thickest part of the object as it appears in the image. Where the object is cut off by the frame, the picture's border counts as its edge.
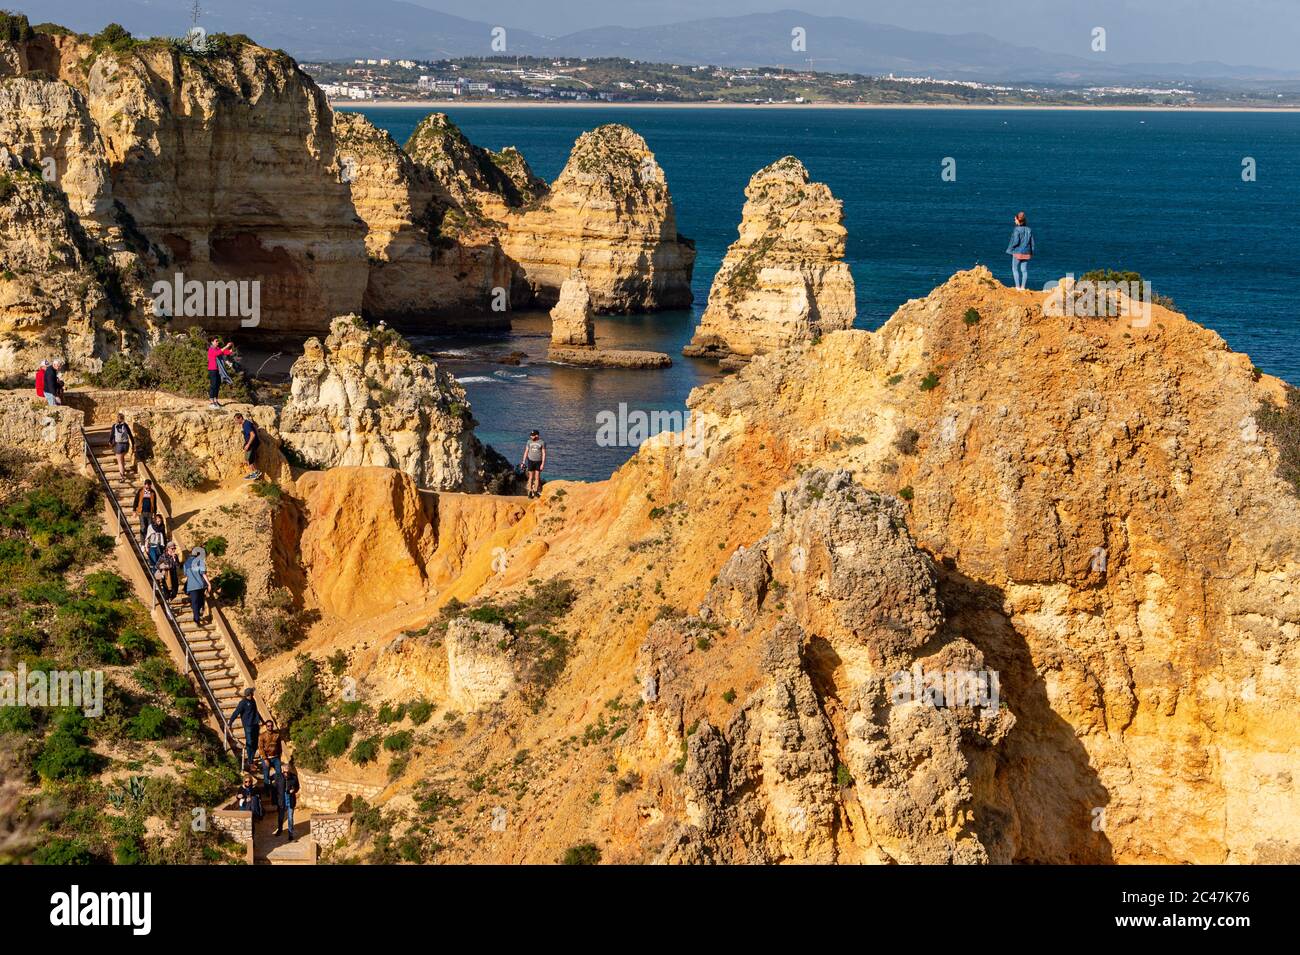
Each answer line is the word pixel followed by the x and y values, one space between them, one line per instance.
pixel 215 353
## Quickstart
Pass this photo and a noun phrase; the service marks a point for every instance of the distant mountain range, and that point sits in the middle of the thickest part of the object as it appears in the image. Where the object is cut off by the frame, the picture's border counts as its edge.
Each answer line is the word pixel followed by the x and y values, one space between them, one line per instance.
pixel 341 29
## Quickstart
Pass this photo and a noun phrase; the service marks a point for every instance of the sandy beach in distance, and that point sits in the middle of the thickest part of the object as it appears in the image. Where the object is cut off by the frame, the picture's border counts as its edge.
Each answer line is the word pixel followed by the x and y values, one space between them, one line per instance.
pixel 641 104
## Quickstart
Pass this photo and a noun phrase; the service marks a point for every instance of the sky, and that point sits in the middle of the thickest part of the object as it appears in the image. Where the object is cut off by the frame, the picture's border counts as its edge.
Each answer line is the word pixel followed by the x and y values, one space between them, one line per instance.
pixel 1255 32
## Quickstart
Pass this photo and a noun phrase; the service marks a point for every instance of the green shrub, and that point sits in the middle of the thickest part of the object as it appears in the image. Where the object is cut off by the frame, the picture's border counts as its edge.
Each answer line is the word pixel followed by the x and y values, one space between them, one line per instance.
pixel 66 754
pixel 365 751
pixel 586 853
pixel 972 316
pixel 338 662
pixel 19 720
pixel 180 467
pixel 843 777
pixel 419 712
pixel 106 585
pixel 269 490
pixel 930 382
pixel 215 546
pixel 1284 425
pixel 300 695
pixel 149 723
pixel 906 493
pixel 60 851
pixel 14 27
pixel 114 37
pixel 126 372
pixel 335 740
pixel 905 442
pixel 391 714
pixel 231 584
pixel 399 742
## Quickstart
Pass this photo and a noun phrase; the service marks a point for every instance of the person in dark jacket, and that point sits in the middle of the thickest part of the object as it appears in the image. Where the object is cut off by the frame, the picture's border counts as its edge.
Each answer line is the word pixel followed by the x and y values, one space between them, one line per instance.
pixel 246 712
pixel 197 585
pixel 249 798
pixel 286 797
pixel 1021 250
pixel 168 571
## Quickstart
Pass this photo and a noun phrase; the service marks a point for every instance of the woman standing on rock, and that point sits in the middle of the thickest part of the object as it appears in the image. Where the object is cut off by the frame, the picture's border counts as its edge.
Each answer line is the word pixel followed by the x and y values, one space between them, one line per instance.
pixel 216 352
pixel 1021 250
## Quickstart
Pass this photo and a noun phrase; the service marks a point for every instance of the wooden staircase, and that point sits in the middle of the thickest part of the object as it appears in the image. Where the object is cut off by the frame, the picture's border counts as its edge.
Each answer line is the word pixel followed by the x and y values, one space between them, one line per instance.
pixel 207 651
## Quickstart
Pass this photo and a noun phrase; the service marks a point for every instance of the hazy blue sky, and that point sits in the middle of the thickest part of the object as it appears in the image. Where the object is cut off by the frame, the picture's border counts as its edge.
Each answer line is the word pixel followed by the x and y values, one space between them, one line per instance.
pixel 1256 32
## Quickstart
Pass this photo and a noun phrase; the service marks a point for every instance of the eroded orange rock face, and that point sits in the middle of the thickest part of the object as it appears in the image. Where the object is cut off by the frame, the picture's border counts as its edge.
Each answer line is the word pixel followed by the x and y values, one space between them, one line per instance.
pixel 1146 712
pixel 367 539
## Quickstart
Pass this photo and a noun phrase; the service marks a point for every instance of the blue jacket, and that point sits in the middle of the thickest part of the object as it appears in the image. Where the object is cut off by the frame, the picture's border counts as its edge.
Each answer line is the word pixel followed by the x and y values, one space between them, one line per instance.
pixel 1022 241
pixel 196 573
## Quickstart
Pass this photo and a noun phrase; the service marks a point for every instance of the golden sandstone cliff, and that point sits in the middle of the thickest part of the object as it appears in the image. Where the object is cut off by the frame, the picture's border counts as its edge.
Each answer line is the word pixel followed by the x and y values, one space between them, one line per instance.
pixel 859 612
pixel 227 165
pixel 610 214
pixel 363 398
pixel 784 279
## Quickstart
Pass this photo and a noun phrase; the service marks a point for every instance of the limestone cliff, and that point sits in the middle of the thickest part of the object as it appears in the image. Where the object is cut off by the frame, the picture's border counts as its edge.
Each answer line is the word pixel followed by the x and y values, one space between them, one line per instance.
pixel 784 279
pixel 610 214
pixel 426 256
pixel 1033 599
pixel 571 318
pixel 363 398
pixel 481 184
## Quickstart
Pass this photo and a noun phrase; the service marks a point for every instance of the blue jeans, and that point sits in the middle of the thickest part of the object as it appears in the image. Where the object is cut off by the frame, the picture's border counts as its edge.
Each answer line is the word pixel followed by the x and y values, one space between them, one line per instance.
pixel 196 606
pixel 250 744
pixel 280 813
pixel 1020 273
pixel 266 769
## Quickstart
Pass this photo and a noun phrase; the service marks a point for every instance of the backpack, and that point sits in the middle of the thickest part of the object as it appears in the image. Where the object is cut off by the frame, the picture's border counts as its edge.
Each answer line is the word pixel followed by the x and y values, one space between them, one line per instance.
pixel 121 436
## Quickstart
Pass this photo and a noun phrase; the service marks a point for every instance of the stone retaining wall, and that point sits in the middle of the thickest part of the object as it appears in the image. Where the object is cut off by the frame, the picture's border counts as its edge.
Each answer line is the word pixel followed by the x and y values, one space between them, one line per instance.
pixel 327 795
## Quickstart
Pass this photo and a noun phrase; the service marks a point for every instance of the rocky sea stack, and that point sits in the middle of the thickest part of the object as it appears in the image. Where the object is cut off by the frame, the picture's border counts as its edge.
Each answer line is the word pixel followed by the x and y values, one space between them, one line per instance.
pixel 784 280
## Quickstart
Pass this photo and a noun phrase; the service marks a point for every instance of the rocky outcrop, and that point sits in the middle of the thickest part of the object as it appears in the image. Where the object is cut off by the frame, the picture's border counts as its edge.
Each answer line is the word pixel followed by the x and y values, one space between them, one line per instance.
pixel 363 398
pixel 573 334
pixel 480 667
pixel 228 164
pixel 784 279
pixel 426 256
pixel 1082 517
pixel 30 427
pixel 480 184
pixel 69 286
pixel 610 214
pixel 571 318
pixel 366 540
pixel 212 439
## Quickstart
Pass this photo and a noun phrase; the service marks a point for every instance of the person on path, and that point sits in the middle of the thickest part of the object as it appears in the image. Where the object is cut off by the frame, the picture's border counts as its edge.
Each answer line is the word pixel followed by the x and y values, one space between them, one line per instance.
pixel 246 712
pixel 197 585
pixel 249 798
pixel 145 505
pixel 251 442
pixel 1021 250
pixel 155 539
pixel 167 572
pixel 269 749
pixel 41 373
pixel 57 368
pixel 534 462
pixel 286 797
pixel 216 351
pixel 120 436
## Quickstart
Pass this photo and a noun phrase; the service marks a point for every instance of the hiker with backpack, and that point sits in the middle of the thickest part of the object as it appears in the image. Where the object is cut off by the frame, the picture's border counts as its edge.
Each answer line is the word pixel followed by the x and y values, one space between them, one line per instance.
pixel 120 436
pixel 246 712
pixel 145 505
pixel 155 539
pixel 197 585
pixel 286 797
pixel 251 441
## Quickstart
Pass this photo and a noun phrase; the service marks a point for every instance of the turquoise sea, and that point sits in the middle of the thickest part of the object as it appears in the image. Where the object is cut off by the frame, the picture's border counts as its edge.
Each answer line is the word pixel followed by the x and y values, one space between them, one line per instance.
pixel 1160 193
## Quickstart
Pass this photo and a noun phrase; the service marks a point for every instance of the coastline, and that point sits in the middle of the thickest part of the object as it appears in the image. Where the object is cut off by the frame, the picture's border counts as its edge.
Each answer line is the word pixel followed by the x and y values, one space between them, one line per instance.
pixel 642 104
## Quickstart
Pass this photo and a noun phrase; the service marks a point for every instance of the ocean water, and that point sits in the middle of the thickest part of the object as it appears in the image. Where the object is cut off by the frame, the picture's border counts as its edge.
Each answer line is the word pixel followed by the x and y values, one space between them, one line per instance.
pixel 1160 193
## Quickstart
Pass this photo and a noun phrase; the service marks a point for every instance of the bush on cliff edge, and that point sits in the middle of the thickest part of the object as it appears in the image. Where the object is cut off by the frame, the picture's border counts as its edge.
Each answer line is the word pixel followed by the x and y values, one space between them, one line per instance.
pixel 1284 425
